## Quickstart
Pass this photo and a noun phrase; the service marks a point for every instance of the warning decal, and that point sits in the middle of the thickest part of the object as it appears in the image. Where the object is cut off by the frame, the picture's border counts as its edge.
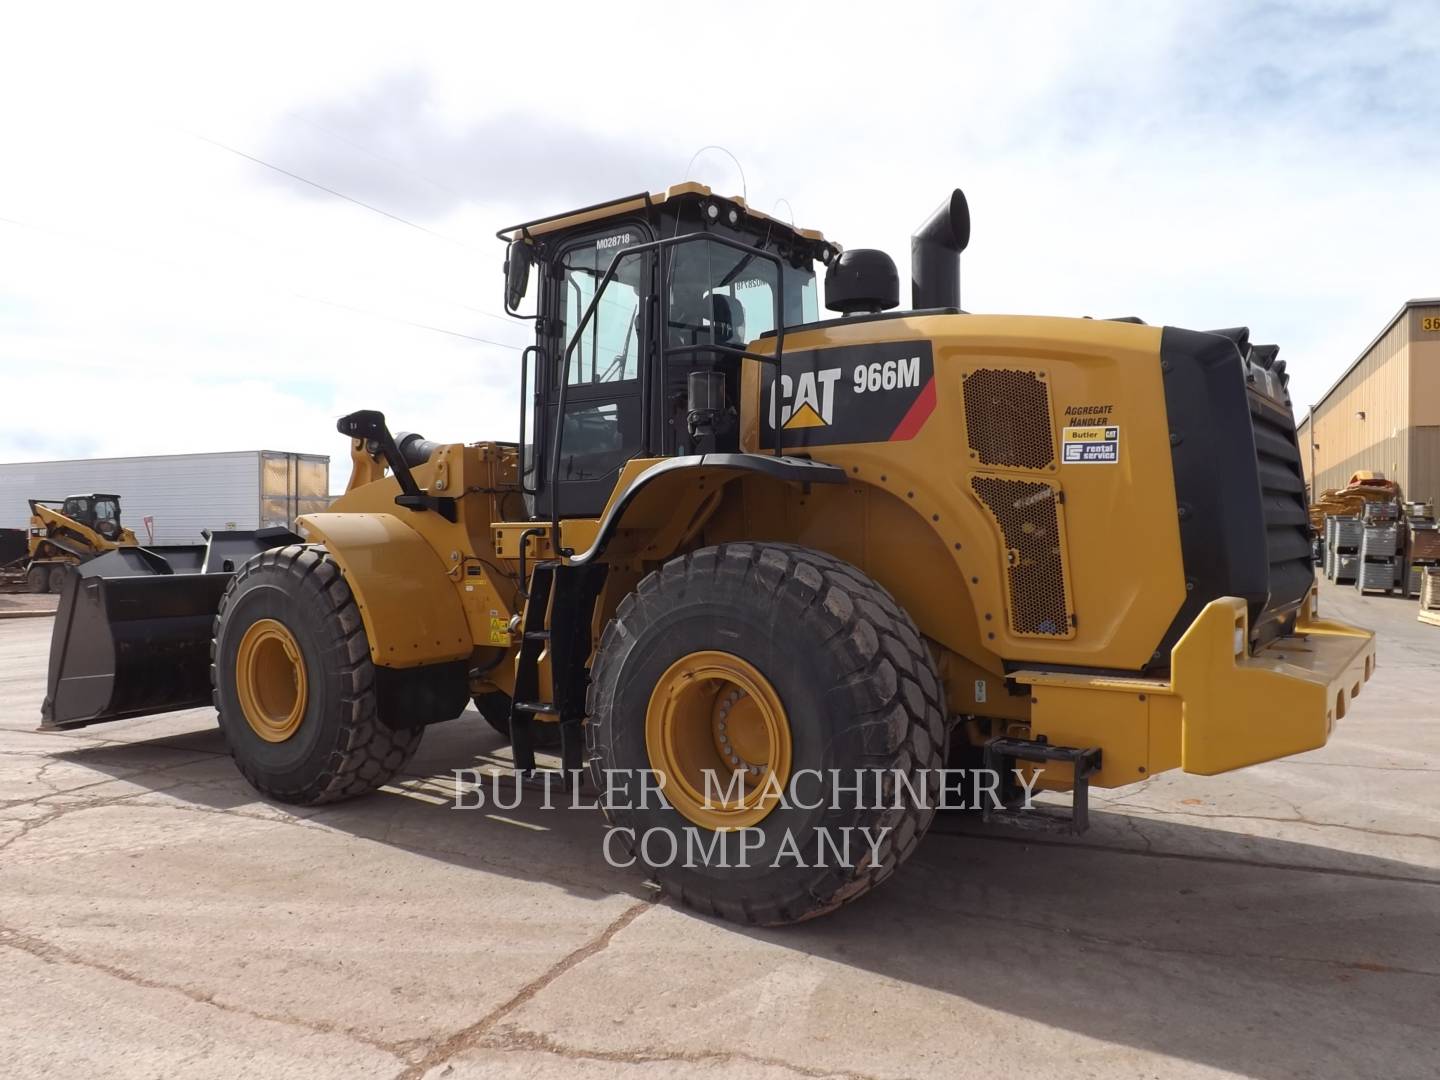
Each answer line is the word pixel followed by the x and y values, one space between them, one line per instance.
pixel 1091 445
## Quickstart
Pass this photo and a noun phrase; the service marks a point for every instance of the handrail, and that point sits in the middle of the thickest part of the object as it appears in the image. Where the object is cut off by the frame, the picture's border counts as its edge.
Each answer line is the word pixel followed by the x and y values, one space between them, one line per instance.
pixel 660 247
pixel 528 406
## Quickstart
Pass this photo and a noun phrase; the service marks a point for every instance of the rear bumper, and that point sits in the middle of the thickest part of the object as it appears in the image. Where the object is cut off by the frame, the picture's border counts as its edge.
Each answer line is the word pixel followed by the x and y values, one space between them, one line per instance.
pixel 1239 708
pixel 1222 708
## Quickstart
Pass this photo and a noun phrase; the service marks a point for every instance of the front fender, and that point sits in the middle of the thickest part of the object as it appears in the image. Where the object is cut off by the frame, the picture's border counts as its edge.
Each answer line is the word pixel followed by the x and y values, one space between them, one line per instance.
pixel 412 614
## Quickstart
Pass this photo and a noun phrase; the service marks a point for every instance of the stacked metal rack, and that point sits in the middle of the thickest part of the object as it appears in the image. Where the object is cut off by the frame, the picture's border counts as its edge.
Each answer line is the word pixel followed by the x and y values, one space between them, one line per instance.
pixel 1381 566
pixel 1342 548
pixel 1422 545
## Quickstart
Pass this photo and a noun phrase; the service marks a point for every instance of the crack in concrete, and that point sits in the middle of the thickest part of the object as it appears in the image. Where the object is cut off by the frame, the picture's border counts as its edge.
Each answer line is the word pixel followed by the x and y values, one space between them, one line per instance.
pixel 1347 765
pixel 55 792
pixel 442 1050
pixel 1089 937
pixel 29 826
pixel 1298 819
pixel 482 858
pixel 515 1039
pixel 1222 860
pixel 50 953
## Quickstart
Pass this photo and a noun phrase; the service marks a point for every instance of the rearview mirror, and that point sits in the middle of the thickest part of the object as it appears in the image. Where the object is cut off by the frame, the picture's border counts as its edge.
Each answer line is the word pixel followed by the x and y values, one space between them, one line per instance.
pixel 519 257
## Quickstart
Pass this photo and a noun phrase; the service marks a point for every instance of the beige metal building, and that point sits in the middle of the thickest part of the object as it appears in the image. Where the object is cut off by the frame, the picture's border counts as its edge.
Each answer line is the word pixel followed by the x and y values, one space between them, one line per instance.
pixel 1384 413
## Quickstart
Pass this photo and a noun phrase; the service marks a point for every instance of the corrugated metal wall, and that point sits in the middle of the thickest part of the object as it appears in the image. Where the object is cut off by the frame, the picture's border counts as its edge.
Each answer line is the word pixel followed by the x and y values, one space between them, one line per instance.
pixel 1424 472
pixel 1424 464
pixel 183 492
pixel 1379 387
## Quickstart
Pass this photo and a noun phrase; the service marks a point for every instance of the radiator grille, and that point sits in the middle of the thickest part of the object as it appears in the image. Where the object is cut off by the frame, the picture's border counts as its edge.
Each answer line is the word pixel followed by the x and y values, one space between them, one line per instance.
pixel 1028 514
pixel 1287 519
pixel 1007 418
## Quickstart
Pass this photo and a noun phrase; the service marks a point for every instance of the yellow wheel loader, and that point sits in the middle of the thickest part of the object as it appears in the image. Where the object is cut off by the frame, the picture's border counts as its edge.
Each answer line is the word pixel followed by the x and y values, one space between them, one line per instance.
pixel 798 570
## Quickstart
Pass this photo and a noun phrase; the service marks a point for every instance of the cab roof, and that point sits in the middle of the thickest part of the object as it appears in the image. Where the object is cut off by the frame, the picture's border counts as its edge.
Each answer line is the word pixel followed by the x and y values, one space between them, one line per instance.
pixel 629 204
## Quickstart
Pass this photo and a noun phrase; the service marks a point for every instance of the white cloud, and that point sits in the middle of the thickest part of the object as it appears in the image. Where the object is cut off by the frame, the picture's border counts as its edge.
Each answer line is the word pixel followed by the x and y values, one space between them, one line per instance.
pixel 1205 165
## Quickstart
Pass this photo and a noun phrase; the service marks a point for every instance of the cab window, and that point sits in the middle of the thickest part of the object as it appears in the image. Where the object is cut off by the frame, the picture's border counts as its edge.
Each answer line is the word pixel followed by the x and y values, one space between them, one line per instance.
pixel 725 296
pixel 609 349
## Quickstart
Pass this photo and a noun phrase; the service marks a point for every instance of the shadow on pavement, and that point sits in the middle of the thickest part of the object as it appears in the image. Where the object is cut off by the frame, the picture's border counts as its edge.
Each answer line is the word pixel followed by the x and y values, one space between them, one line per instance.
pixel 1265 957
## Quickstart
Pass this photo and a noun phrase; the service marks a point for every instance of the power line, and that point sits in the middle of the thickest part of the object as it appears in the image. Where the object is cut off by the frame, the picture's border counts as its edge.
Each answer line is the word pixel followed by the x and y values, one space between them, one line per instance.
pixel 357 202
pixel 328 190
pixel 407 322
pixel 368 152
pixel 160 261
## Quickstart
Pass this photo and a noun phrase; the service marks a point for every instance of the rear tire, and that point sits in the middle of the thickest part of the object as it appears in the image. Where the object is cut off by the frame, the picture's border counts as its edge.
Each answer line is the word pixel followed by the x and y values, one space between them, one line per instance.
pixel 836 662
pixel 37 578
pixel 495 708
pixel 336 746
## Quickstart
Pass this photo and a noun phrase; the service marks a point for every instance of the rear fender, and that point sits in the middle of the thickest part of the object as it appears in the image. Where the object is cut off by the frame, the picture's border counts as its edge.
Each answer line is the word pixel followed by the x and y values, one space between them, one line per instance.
pixel 410 606
pixel 675 494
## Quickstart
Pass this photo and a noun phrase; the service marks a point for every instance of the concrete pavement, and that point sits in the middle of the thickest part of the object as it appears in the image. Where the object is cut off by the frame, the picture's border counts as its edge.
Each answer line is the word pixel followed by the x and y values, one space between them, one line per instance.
pixel 157 918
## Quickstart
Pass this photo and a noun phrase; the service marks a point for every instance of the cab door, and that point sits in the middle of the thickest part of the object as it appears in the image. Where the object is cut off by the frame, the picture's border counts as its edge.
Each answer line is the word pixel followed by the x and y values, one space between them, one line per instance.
pixel 604 424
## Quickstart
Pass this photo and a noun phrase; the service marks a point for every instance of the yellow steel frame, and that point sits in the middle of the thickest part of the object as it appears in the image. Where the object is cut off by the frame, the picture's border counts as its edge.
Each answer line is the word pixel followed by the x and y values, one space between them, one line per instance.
pixel 433 590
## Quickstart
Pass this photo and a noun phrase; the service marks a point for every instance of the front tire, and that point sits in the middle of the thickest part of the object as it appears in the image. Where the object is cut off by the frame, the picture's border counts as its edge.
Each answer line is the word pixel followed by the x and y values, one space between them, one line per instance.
pixel 776 659
pixel 294 683
pixel 57 577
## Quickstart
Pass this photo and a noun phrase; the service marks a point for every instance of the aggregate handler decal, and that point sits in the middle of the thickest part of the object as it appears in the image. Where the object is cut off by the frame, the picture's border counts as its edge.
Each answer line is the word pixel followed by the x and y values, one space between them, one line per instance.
pixel 852 394
pixel 1091 445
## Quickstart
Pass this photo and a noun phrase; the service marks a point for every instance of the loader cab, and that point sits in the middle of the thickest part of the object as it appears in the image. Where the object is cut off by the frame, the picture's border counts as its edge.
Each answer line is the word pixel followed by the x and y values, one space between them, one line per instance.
pixel 97 511
pixel 643 310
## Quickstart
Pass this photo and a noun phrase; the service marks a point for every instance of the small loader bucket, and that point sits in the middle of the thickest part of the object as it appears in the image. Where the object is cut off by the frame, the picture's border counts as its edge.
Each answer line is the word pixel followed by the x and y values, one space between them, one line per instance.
pixel 132 635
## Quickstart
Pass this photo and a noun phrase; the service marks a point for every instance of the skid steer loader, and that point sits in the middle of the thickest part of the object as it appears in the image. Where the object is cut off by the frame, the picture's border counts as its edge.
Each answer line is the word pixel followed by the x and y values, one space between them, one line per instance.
pixel 740 544
pixel 65 533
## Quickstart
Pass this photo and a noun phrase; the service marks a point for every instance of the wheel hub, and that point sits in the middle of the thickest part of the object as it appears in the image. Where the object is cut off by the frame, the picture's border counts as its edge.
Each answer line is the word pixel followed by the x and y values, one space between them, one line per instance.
pixel 270 680
pixel 719 739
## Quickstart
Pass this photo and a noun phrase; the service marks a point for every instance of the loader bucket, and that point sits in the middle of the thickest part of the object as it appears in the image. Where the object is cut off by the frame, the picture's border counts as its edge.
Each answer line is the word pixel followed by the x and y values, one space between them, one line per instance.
pixel 132 632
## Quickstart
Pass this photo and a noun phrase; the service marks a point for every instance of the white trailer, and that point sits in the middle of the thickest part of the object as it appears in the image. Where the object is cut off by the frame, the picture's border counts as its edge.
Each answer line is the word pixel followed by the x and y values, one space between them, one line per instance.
pixel 168 499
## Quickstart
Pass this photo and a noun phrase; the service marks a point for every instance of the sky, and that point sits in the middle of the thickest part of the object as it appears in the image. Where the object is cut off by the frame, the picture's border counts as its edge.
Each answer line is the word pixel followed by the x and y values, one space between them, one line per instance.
pixel 222 227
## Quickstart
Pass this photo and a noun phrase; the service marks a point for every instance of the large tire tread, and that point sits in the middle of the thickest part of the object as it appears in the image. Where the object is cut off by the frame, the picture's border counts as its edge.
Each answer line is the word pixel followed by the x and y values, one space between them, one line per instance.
pixel 369 753
pixel 855 618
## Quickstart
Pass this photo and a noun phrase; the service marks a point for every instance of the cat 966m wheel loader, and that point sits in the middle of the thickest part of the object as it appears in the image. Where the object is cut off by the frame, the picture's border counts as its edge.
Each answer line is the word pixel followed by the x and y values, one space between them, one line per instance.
pixel 741 541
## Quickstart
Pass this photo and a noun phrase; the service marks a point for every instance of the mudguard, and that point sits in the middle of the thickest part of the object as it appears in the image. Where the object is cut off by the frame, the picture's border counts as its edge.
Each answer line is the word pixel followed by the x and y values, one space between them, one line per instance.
pixel 409 604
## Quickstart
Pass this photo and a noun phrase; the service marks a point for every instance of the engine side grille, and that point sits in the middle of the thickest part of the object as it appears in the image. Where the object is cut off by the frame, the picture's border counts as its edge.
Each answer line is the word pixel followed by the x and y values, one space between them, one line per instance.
pixel 1007 418
pixel 1028 514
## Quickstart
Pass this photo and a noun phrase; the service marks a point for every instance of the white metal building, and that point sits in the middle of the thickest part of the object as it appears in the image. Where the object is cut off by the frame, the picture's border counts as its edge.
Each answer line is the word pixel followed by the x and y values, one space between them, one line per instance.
pixel 181 493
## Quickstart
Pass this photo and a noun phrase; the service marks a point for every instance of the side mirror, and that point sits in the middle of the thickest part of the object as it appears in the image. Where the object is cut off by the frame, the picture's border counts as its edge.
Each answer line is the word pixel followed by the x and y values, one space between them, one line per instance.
pixel 519 257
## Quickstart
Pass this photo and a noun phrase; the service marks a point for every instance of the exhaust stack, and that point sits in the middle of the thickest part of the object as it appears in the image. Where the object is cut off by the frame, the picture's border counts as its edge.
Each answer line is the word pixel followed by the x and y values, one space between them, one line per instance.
pixel 935 254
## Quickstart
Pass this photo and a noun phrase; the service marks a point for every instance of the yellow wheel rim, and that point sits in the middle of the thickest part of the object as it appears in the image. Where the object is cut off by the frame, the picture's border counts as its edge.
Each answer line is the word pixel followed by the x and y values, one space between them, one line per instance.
pixel 270 680
pixel 714 713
